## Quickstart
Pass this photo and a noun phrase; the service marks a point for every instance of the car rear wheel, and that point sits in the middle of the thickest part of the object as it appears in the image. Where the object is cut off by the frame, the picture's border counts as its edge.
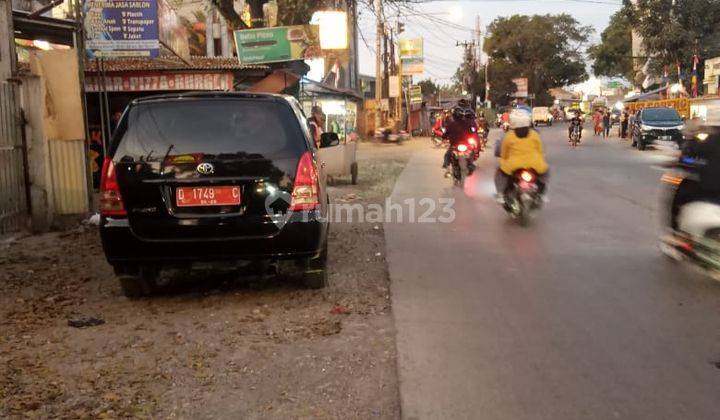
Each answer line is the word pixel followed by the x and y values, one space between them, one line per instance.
pixel 137 283
pixel 316 275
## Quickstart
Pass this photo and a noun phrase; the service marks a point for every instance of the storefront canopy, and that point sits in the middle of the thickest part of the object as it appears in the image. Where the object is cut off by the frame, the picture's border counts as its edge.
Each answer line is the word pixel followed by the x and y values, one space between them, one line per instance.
pixel 311 88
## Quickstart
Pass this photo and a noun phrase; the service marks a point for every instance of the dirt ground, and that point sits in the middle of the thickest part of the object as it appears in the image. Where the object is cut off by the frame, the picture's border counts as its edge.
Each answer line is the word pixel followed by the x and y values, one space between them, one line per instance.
pixel 211 347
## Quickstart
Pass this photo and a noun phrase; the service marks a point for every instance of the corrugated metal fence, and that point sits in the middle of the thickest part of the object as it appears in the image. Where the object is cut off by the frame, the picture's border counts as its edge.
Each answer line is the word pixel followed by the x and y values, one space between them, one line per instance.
pixel 13 202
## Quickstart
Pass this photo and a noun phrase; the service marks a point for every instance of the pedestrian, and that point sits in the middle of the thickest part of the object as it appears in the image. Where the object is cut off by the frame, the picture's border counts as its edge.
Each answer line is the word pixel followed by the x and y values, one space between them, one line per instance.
pixel 597 122
pixel 606 124
pixel 316 123
pixel 624 120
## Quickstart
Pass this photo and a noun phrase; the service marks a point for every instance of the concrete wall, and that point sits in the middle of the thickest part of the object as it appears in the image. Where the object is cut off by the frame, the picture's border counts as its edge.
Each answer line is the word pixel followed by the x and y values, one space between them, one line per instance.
pixel 41 192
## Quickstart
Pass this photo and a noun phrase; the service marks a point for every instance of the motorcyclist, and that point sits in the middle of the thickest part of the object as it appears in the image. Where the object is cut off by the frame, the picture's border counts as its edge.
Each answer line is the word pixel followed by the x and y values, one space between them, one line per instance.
pixel 482 123
pixel 457 129
pixel 439 123
pixel 701 156
pixel 576 121
pixel 521 149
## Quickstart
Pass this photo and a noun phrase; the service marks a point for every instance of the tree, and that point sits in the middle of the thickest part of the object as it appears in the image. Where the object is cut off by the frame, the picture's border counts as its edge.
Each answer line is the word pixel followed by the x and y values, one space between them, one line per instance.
pixel 612 57
pixel 428 87
pixel 672 31
pixel 545 49
pixel 290 12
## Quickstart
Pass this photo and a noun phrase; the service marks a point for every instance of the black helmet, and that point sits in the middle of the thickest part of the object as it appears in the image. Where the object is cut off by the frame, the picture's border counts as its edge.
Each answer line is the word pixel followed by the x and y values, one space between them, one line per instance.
pixel 458 112
pixel 468 114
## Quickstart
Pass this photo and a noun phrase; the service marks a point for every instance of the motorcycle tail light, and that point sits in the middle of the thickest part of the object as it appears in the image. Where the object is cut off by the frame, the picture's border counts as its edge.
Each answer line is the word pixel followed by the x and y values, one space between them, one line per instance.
pixel 527 176
pixel 462 148
pixel 472 141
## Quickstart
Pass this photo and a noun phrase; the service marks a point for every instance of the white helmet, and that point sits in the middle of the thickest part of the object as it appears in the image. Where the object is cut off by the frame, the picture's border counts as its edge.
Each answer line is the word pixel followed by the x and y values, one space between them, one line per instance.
pixel 520 118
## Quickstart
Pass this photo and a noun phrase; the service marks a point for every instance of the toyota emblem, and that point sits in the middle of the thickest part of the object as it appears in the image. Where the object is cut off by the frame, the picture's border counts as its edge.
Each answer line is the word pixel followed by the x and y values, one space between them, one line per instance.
pixel 206 168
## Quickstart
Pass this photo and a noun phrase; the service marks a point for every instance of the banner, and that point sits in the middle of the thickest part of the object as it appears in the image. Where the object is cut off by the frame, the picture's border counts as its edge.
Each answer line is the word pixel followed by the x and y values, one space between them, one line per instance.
pixel 273 45
pixel 160 81
pixel 393 87
pixel 522 87
pixel 115 28
pixel 415 94
pixel 412 56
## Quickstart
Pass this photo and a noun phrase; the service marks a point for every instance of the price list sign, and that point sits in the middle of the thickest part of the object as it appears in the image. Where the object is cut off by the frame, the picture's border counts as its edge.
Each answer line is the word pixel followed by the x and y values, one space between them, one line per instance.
pixel 116 28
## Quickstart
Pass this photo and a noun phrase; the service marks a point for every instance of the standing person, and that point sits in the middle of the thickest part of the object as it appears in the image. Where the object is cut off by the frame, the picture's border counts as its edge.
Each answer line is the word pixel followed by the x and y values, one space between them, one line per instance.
pixel 624 117
pixel 317 123
pixel 597 122
pixel 606 125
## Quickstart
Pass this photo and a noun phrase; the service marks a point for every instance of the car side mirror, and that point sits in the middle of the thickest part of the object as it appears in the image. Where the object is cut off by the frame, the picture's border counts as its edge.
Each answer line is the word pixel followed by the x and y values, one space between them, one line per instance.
pixel 329 140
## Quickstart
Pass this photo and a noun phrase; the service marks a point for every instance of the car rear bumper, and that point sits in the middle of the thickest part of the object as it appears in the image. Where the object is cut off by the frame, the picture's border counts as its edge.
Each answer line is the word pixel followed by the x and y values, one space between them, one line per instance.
pixel 296 239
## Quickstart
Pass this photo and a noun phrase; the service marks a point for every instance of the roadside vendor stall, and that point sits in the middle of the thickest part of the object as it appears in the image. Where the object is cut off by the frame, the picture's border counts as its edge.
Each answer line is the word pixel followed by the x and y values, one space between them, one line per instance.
pixel 339 105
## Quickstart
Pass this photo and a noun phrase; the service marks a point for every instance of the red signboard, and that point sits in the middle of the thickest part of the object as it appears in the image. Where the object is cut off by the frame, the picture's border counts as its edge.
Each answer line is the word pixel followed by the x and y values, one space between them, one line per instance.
pixel 160 82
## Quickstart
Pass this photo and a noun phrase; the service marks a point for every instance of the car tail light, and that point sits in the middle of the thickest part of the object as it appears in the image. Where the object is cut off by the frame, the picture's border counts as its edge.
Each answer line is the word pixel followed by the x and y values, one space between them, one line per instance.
pixel 305 190
pixel 111 203
pixel 527 176
pixel 462 148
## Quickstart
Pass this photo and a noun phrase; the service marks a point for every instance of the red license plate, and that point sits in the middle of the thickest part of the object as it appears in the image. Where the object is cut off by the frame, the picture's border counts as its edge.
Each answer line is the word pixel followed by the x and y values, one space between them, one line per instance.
pixel 207 196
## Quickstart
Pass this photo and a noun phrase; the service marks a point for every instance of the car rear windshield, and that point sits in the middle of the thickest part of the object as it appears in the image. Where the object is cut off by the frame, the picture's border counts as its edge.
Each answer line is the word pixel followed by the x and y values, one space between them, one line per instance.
pixel 252 129
pixel 661 114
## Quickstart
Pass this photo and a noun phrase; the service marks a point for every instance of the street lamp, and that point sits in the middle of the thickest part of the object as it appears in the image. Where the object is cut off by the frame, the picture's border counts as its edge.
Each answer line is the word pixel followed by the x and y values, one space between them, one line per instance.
pixel 333 29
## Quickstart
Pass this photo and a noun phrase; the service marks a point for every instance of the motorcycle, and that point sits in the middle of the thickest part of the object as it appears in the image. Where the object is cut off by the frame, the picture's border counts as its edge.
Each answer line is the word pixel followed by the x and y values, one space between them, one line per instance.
pixel 523 196
pixel 575 136
pixel 483 134
pixel 462 161
pixel 692 226
pixel 437 137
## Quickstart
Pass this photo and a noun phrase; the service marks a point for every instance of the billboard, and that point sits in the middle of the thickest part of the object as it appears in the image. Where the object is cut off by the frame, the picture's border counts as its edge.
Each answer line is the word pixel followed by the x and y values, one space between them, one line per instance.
pixel 415 94
pixel 282 43
pixel 171 33
pixel 116 28
pixel 522 87
pixel 411 55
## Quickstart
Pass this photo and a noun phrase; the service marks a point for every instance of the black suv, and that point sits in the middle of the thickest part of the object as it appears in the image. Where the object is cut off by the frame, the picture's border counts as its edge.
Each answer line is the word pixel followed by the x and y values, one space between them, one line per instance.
pixel 652 124
pixel 212 177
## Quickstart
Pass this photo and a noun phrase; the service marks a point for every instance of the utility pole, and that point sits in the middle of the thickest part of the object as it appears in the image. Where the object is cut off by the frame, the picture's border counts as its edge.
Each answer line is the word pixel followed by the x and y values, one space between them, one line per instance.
pixel 379 36
pixel 471 65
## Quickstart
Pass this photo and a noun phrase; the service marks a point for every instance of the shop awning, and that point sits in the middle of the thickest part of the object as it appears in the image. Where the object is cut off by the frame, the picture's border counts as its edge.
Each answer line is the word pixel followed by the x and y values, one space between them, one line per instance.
pixel 311 88
pixel 653 94
pixel 173 63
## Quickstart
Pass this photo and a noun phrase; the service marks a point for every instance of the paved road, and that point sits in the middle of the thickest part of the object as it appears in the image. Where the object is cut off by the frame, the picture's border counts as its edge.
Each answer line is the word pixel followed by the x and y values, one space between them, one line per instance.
pixel 575 317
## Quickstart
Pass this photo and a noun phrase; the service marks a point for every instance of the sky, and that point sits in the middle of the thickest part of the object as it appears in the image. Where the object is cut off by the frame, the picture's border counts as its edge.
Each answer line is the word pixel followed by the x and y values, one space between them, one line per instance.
pixel 442 56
